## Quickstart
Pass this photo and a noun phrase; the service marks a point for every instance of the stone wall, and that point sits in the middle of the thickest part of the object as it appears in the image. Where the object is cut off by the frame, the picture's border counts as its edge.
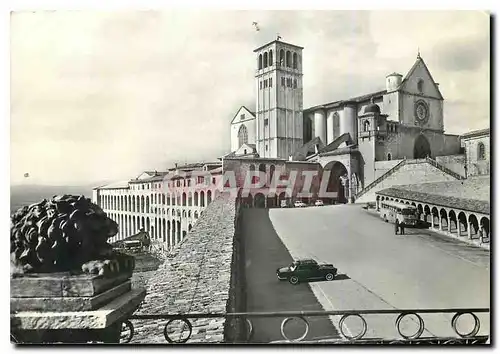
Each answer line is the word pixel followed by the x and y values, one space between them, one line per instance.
pixel 382 167
pixel 476 166
pixel 195 277
pixel 411 173
pixel 455 163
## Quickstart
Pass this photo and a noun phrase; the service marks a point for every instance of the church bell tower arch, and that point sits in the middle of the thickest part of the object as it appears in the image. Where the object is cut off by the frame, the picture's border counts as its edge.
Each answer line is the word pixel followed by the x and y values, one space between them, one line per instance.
pixel 279 99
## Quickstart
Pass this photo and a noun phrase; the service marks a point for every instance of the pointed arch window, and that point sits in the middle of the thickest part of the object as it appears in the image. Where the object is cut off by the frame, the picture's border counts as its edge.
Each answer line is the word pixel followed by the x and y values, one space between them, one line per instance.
pixel 295 62
pixel 260 61
pixel 282 57
pixel 366 125
pixel 481 151
pixel 288 59
pixel 271 58
pixel 265 60
pixel 242 135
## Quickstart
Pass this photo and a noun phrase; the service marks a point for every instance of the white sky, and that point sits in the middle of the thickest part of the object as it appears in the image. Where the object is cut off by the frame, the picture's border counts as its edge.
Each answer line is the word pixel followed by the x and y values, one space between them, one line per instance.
pixel 104 95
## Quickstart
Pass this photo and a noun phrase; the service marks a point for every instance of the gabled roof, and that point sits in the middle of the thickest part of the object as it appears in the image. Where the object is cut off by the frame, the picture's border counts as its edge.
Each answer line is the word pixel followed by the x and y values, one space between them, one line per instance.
pixel 238 113
pixel 414 67
pixel 253 146
pixel 251 153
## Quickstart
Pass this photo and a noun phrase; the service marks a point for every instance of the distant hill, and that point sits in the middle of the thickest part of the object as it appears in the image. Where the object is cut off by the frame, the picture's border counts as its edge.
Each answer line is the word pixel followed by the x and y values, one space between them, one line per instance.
pixel 22 195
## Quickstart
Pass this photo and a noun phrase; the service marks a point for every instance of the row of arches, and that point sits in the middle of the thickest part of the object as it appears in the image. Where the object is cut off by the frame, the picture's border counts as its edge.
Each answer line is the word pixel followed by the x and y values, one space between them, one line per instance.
pixel 260 200
pixel 286 58
pixel 170 232
pixel 457 222
pixel 334 170
pixel 141 204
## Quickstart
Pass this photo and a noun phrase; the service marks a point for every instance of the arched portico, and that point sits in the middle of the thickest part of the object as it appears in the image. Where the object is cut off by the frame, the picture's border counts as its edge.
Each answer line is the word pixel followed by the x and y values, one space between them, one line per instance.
pixel 337 187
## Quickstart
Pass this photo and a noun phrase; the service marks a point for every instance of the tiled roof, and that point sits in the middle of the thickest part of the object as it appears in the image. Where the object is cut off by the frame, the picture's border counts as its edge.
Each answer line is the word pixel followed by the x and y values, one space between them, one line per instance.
pixel 467 204
pixel 115 185
pixel 472 188
pixel 476 133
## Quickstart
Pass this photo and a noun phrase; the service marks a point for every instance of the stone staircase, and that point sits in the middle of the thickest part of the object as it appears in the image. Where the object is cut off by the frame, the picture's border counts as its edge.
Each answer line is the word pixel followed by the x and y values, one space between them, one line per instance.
pixel 400 165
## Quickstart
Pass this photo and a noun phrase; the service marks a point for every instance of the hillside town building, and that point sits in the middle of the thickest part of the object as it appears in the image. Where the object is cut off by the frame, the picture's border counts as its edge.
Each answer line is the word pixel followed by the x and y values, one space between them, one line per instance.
pixel 351 148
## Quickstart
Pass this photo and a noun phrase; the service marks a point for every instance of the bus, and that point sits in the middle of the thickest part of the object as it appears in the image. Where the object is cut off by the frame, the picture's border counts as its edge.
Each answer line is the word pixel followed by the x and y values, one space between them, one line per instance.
pixel 402 213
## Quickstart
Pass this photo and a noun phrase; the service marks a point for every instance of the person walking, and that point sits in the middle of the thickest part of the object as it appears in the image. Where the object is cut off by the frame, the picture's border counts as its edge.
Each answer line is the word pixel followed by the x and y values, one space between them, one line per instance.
pixel 402 228
pixel 396 225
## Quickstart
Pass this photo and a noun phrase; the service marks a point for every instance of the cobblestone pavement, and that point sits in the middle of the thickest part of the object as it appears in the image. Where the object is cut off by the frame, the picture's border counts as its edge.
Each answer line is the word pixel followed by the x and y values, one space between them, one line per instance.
pixel 264 253
pixel 194 278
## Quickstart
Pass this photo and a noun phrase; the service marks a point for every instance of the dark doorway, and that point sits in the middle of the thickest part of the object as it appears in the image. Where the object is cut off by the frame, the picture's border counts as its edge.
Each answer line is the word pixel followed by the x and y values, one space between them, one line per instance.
pixel 336 170
pixel 422 148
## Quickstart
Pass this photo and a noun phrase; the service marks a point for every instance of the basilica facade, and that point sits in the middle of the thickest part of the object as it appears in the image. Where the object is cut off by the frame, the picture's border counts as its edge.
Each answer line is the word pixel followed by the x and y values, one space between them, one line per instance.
pixel 359 138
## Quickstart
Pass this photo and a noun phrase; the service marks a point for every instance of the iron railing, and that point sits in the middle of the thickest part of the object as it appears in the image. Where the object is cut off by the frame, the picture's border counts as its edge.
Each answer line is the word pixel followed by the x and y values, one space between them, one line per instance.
pixel 345 337
pixel 444 169
pixel 381 178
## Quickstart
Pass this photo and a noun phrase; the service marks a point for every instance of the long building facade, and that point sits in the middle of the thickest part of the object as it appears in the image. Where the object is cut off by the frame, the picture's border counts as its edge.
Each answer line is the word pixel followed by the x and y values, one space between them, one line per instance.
pixel 165 204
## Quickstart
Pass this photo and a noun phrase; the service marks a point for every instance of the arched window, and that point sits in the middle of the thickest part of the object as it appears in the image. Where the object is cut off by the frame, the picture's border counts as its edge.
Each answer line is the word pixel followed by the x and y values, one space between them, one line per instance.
pixel 389 157
pixel 260 61
pixel 282 57
pixel 264 64
pixel 295 63
pixel 420 86
pixel 481 152
pixel 271 63
pixel 288 59
pixel 366 126
pixel 242 135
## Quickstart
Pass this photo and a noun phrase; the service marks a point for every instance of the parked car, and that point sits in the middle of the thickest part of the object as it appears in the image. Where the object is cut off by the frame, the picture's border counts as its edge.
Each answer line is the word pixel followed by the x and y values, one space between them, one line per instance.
pixel 306 269
pixel 299 204
pixel 318 202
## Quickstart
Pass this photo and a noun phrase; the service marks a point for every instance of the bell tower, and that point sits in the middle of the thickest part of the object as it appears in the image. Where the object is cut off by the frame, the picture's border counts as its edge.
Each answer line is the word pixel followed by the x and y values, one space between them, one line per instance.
pixel 279 104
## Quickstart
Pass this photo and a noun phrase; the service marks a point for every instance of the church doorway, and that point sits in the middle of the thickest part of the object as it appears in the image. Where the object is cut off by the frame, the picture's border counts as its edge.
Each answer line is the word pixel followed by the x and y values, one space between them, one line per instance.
pixel 334 170
pixel 421 148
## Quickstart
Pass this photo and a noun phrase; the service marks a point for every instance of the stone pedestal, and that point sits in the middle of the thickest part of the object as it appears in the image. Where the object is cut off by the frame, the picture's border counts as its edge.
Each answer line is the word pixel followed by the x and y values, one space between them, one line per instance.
pixel 101 325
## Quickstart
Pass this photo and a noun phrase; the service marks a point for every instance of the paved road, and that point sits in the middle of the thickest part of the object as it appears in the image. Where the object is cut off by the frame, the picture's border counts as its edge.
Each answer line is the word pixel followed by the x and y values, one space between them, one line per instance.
pixel 383 271
pixel 264 253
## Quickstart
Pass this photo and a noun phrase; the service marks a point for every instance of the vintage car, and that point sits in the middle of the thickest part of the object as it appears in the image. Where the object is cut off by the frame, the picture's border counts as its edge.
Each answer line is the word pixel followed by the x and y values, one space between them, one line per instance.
pixel 306 269
pixel 319 202
pixel 299 204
